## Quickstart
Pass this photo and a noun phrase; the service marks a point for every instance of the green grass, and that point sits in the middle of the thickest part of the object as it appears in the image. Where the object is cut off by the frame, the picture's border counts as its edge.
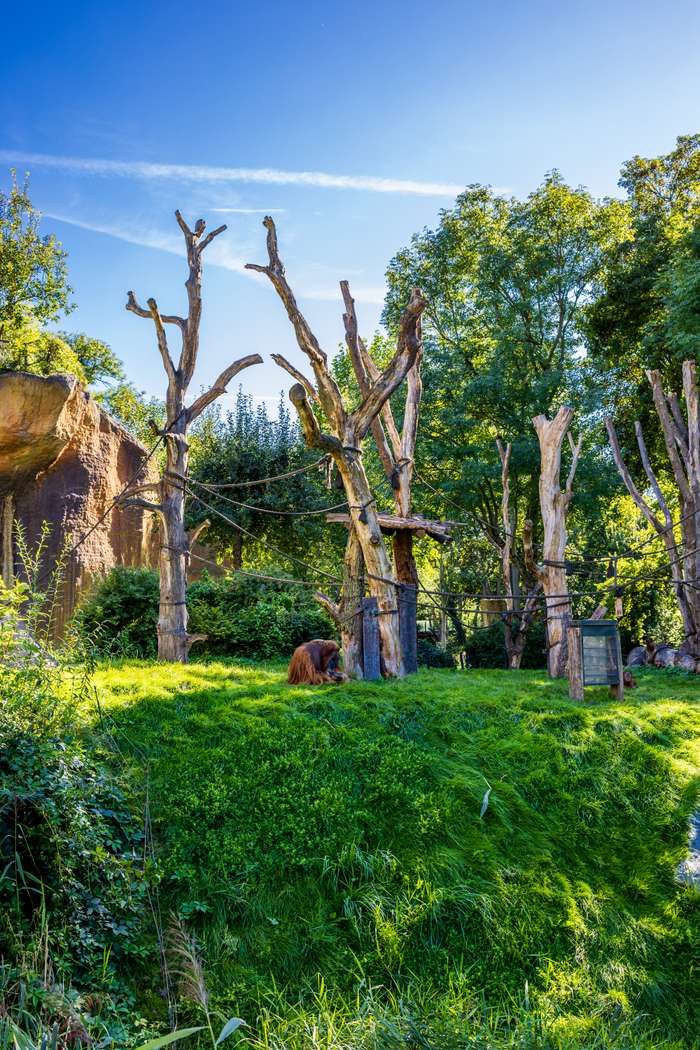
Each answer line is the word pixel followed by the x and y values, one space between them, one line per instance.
pixel 326 846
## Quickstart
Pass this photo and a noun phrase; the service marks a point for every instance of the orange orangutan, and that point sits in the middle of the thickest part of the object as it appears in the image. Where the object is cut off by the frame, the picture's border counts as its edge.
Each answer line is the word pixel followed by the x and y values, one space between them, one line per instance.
pixel 315 662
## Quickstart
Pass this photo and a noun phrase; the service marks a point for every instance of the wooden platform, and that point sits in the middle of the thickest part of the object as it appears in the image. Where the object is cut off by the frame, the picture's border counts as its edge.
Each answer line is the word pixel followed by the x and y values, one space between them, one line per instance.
pixel 389 523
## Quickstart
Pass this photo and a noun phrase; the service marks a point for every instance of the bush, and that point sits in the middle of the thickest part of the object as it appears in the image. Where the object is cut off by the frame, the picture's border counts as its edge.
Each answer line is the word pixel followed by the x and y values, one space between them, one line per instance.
pixel 121 613
pixel 240 615
pixel 431 655
pixel 486 648
pixel 72 886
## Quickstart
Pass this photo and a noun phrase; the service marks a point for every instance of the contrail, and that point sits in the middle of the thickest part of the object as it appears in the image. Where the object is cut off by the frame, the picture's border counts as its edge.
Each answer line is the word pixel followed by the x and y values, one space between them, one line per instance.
pixel 209 174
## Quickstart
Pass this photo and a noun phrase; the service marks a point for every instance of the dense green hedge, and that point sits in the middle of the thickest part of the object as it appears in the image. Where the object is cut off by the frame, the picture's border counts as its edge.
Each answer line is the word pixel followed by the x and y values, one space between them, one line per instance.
pixel 486 648
pixel 240 615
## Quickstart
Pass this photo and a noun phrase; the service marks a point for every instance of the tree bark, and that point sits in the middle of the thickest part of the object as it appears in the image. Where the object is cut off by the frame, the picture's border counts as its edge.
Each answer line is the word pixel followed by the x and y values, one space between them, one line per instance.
pixel 682 440
pixel 519 616
pixel 396 450
pixel 174 641
pixel 554 506
pixel 347 613
pixel 346 432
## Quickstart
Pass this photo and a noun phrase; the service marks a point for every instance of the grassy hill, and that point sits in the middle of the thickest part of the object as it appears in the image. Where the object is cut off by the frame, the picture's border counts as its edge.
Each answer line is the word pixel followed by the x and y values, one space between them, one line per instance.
pixel 454 860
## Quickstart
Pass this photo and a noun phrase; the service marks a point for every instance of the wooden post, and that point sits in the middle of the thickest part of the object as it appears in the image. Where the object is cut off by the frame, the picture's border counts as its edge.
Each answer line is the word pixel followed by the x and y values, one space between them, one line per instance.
pixel 406 596
pixel 174 640
pixel 573 636
pixel 370 639
pixel 619 689
pixel 8 557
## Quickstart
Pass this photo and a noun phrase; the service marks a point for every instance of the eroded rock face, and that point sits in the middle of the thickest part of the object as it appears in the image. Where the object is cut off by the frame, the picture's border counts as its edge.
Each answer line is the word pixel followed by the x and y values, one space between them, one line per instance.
pixel 62 461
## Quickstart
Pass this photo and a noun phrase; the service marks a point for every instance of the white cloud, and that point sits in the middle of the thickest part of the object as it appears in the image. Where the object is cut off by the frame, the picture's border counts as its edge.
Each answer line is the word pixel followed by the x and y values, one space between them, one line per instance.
pixel 211 174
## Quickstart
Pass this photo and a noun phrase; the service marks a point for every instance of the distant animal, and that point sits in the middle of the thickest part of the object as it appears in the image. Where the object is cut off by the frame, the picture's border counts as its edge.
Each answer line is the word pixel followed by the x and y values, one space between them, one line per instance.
pixel 314 663
pixel 629 680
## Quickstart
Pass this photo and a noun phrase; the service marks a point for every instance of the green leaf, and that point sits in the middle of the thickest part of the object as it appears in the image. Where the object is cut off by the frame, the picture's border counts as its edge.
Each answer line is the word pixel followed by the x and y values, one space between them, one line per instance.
pixel 231 1026
pixel 163 1040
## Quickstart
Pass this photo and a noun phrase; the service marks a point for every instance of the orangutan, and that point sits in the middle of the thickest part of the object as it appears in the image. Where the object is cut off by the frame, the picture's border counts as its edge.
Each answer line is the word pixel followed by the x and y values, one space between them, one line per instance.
pixel 315 662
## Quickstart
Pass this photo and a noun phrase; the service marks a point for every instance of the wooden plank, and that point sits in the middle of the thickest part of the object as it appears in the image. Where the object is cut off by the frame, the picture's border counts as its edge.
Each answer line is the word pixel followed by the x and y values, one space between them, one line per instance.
pixel 575 668
pixel 407 600
pixel 619 689
pixel 370 640
pixel 437 530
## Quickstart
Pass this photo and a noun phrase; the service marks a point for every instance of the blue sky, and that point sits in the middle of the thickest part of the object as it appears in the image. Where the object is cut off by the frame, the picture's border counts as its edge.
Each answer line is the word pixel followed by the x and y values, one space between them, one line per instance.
pixel 353 123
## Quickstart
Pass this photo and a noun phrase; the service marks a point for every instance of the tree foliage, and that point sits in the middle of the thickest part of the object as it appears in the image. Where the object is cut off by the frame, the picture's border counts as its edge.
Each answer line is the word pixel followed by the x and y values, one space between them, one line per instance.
pixel 33 275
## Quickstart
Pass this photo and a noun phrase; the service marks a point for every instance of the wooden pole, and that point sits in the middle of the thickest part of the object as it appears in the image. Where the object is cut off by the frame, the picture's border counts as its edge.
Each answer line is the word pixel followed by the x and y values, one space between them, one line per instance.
pixel 370 639
pixel 406 596
pixel 8 558
pixel 575 667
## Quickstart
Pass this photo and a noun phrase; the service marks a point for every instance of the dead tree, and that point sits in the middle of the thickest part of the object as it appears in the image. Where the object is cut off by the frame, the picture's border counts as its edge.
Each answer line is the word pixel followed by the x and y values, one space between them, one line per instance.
pixel 682 439
pixel 173 639
pixel 519 615
pixel 346 430
pixel 554 507
pixel 396 450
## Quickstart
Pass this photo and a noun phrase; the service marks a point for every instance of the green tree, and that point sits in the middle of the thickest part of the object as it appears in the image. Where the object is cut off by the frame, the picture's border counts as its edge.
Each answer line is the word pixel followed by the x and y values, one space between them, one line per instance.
pixel 99 362
pixel 506 282
pixel 33 277
pixel 646 314
pixel 242 446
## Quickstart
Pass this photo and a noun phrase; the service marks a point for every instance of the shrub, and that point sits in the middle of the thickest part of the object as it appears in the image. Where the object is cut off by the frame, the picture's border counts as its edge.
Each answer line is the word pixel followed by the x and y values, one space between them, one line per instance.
pixel 431 655
pixel 486 648
pixel 240 615
pixel 72 888
pixel 121 613
pixel 253 618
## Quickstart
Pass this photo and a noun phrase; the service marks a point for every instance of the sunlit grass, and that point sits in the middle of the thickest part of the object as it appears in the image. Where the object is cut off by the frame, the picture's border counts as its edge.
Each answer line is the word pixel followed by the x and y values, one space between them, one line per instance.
pixel 337 831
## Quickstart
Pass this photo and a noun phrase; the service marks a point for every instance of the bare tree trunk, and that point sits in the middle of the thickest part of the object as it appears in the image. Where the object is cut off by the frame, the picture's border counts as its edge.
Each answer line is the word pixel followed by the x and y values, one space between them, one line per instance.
pixel 346 432
pixel 347 614
pixel 518 617
pixel 682 440
pixel 173 639
pixel 396 450
pixel 554 506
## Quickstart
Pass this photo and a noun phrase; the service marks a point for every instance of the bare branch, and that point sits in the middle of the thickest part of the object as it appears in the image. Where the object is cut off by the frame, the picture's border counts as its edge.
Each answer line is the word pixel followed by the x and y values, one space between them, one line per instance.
pixel 183 225
pixel 629 480
pixel 328 392
pixel 197 531
pixel 152 312
pixel 296 374
pixel 360 359
pixel 650 473
pixel 210 237
pixel 219 386
pixel 313 434
pixel 140 504
pixel 133 306
pixel 575 447
pixel 528 549
pixel 330 606
pixel 136 490
pixel 407 350
pixel 670 431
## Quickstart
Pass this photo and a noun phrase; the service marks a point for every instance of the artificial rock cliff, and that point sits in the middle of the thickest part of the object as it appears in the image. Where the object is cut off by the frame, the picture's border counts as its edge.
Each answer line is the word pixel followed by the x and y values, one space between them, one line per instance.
pixel 62 461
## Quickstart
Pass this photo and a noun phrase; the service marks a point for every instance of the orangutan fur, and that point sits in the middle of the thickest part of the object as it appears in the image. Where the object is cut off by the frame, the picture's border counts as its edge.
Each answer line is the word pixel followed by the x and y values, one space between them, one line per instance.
pixel 315 662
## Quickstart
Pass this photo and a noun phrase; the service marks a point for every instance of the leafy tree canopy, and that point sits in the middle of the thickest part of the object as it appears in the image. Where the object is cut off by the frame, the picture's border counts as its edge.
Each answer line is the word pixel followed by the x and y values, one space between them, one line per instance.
pixel 33 277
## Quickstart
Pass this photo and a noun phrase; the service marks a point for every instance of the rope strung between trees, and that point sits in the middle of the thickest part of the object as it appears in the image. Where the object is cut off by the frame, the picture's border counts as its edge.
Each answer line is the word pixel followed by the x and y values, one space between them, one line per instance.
pixel 264 481
pixel 263 510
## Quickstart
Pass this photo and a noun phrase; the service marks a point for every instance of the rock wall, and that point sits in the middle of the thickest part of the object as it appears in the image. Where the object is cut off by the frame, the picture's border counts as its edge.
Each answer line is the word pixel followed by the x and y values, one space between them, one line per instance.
pixel 62 461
